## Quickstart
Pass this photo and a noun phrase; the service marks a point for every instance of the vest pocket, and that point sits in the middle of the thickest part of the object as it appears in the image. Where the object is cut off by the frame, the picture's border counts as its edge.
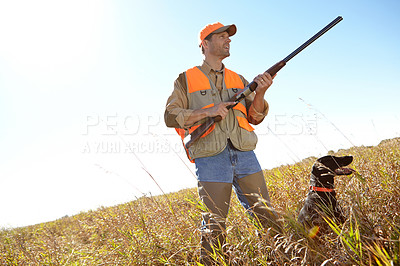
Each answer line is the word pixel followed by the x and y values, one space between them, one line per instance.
pixel 244 123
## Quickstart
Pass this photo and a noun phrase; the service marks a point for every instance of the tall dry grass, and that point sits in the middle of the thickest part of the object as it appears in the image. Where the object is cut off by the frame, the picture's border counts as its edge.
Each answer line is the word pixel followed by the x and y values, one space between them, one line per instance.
pixel 163 230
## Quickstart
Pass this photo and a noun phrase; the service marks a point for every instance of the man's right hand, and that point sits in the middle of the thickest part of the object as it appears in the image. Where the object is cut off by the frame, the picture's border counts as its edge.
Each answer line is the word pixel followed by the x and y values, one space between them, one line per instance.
pixel 220 110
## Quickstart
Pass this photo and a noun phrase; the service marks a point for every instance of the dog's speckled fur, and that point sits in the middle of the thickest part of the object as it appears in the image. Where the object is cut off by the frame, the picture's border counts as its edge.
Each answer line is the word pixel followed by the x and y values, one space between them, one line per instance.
pixel 323 173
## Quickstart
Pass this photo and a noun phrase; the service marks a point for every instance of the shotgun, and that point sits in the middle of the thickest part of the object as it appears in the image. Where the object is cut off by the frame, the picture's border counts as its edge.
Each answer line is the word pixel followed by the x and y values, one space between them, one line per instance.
pixel 196 134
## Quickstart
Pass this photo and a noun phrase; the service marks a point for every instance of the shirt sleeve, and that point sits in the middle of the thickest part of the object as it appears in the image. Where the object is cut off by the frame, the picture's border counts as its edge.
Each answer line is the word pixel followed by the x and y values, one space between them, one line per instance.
pixel 176 112
pixel 256 117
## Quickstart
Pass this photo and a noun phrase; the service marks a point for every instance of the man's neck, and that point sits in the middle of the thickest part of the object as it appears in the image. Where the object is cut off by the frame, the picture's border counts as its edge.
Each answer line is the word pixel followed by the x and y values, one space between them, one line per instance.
pixel 215 63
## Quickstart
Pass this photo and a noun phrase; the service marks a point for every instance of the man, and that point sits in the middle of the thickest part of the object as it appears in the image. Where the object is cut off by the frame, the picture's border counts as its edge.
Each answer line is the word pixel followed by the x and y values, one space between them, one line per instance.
pixel 224 155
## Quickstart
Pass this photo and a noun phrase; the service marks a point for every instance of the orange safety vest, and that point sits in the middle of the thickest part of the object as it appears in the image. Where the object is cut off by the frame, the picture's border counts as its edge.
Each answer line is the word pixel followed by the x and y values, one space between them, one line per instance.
pixel 198 85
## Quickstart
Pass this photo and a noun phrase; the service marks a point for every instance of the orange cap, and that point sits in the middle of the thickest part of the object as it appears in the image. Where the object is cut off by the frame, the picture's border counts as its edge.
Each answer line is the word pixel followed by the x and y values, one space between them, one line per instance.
pixel 216 27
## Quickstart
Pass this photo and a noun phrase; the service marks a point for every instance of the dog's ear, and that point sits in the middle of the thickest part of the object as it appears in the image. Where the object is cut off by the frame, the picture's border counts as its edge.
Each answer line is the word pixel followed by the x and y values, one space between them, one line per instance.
pixel 335 162
pixel 319 170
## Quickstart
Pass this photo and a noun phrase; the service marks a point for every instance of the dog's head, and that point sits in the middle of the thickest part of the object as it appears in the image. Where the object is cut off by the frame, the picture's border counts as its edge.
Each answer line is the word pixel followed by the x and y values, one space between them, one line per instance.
pixel 327 167
pixel 335 164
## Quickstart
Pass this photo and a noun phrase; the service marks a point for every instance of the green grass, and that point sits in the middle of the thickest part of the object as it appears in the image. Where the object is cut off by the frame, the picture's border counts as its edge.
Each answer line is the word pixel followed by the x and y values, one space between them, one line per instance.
pixel 163 230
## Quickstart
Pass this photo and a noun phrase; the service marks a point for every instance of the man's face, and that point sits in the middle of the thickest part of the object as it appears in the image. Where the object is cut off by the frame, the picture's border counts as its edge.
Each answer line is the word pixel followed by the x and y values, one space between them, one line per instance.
pixel 219 45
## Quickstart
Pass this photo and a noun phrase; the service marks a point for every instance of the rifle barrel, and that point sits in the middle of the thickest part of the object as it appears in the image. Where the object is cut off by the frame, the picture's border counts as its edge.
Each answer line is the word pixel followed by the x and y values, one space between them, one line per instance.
pixel 313 38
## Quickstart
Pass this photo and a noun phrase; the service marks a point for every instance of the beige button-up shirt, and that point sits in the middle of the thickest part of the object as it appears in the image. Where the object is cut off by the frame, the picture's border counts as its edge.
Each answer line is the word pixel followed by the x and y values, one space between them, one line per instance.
pixel 177 112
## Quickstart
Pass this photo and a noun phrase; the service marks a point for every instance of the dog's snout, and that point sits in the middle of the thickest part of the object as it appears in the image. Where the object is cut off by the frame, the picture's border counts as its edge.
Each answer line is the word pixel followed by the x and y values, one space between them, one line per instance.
pixel 344 171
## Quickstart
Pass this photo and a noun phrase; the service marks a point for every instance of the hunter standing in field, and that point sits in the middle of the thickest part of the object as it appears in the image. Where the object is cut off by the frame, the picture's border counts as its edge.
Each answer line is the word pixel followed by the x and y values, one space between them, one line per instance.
pixel 224 155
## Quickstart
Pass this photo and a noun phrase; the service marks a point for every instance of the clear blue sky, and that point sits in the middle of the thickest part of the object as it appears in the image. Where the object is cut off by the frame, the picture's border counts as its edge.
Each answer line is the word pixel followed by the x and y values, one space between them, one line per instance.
pixel 81 80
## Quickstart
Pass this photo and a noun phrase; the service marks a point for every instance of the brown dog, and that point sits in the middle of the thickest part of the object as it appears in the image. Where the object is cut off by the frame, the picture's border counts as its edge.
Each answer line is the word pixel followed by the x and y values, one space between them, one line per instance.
pixel 321 198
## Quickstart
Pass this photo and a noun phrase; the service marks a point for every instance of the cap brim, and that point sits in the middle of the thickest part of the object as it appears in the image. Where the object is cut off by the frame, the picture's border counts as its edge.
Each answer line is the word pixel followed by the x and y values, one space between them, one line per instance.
pixel 230 29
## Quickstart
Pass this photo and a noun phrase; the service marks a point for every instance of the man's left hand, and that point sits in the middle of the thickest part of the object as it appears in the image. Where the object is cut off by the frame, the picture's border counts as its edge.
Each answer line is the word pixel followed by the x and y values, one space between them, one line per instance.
pixel 264 81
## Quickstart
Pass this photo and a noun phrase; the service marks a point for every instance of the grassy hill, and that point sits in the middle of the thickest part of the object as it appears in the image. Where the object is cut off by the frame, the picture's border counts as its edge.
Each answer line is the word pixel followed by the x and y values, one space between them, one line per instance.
pixel 164 229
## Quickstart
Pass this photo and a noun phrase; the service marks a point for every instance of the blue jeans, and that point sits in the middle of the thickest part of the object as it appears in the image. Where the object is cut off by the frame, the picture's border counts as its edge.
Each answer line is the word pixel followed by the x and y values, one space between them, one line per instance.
pixel 227 167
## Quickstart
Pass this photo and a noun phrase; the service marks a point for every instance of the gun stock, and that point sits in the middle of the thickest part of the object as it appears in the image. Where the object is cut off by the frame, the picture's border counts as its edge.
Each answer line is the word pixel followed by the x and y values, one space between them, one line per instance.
pixel 252 86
